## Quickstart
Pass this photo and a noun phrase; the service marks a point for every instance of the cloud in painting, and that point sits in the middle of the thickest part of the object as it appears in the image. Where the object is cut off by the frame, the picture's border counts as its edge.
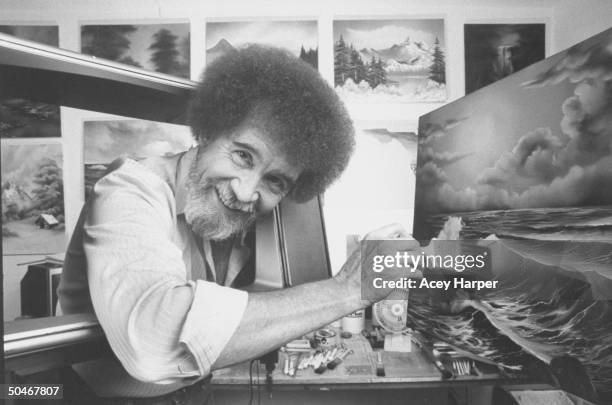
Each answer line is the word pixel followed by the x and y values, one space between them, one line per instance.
pixel 582 61
pixel 106 140
pixel 433 132
pixel 19 162
pixel 560 166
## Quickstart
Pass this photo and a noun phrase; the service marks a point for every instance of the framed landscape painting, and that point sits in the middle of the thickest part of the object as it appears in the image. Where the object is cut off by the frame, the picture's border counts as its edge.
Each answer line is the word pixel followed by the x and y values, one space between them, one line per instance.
pixel 32 199
pixel 385 61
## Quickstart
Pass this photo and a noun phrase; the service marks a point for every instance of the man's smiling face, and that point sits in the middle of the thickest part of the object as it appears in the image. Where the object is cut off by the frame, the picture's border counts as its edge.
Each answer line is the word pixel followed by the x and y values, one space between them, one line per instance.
pixel 234 179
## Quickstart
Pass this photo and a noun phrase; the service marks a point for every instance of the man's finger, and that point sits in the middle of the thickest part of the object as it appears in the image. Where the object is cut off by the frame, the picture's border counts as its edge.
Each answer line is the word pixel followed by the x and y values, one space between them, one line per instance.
pixel 391 231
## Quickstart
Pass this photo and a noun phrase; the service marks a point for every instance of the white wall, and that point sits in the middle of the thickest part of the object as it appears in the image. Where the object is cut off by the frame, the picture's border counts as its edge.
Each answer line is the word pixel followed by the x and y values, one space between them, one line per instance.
pixel 567 22
pixel 577 20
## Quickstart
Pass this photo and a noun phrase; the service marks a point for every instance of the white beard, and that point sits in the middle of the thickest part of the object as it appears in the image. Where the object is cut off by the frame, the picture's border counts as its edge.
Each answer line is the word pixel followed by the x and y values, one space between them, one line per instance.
pixel 205 212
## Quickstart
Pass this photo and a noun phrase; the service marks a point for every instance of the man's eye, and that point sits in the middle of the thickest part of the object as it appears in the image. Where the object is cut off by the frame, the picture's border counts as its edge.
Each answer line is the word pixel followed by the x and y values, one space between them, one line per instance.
pixel 243 158
pixel 277 185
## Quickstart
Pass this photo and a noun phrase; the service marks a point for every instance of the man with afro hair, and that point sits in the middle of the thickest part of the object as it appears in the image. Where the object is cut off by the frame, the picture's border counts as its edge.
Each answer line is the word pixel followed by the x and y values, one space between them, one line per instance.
pixel 159 246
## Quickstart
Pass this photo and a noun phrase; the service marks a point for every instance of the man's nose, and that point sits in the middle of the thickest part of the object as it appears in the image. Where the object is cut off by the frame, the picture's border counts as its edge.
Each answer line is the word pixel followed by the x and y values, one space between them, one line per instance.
pixel 245 188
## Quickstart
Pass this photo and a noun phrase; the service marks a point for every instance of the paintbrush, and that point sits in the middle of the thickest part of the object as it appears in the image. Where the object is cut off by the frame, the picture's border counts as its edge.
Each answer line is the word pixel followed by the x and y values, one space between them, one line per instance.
pixel 380 366
pixel 334 363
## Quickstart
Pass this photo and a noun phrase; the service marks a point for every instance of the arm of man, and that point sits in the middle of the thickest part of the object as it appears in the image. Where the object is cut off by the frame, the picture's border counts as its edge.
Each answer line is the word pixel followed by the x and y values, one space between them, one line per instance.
pixel 164 328
pixel 274 318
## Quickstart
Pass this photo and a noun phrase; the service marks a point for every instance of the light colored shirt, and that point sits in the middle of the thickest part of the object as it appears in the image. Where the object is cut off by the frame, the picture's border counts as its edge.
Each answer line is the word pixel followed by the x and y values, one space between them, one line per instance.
pixel 134 261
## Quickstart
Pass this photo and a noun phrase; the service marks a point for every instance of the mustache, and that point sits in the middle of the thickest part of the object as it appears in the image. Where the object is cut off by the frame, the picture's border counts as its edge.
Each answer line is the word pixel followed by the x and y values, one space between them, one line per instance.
pixel 229 199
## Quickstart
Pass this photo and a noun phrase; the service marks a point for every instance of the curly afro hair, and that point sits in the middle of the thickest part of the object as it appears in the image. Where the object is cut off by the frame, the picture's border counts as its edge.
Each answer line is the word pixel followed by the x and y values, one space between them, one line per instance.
pixel 285 98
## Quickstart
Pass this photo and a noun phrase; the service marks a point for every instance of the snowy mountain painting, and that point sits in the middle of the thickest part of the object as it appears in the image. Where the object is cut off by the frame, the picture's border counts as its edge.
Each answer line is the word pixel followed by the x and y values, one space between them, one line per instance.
pixel 299 37
pixel 390 60
pixel 163 48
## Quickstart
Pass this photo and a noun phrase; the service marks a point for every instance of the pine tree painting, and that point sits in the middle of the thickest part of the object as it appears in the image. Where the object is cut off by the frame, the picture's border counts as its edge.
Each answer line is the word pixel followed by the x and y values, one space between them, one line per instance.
pixel 390 60
pixel 162 48
pixel 437 70
pixel 32 191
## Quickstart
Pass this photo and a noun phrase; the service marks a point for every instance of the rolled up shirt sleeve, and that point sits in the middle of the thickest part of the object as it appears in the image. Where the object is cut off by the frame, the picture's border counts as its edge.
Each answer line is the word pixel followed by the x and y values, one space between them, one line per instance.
pixel 161 326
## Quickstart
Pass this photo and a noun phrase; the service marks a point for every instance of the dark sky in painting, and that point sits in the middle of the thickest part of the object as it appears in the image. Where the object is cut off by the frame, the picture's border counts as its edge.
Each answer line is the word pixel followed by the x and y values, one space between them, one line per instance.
pixel 539 138
pixel 493 51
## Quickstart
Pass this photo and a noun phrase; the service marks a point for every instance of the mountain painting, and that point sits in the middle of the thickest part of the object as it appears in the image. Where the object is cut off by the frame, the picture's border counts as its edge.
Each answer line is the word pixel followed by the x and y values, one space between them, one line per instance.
pixel 163 48
pixel 298 37
pixel 32 199
pixel 525 166
pixel 387 61
pixel 104 141
pixel 20 118
pixel 494 51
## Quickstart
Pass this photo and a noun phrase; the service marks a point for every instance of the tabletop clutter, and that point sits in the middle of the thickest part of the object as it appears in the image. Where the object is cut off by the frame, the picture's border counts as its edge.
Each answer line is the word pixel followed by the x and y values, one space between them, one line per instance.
pixel 324 350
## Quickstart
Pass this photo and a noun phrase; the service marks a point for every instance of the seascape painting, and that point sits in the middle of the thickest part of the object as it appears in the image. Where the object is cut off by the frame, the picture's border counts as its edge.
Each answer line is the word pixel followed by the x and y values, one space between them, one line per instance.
pixel 376 189
pixel 298 37
pixel 105 141
pixel 20 118
pixel 525 166
pixel 32 199
pixel 163 48
pixel 390 61
pixel 494 51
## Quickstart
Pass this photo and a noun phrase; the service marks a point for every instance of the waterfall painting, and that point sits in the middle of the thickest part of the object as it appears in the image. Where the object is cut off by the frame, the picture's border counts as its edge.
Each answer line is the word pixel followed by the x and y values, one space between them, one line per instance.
pixel 494 51
pixel 524 165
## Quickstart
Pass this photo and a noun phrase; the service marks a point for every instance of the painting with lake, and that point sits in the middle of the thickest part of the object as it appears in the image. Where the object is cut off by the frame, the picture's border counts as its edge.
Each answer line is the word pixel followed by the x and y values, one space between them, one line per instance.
pixel 525 164
pixel 386 61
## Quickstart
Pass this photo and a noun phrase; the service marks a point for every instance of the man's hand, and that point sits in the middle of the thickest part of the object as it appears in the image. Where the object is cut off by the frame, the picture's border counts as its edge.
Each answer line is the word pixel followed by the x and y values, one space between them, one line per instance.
pixel 351 270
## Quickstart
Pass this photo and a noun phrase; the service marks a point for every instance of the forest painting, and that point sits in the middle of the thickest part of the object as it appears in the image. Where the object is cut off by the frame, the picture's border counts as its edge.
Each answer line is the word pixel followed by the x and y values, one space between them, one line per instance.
pixel 104 141
pixel 20 118
pixel 494 51
pixel 390 60
pixel 525 166
pixel 163 48
pixel 299 37
pixel 32 199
